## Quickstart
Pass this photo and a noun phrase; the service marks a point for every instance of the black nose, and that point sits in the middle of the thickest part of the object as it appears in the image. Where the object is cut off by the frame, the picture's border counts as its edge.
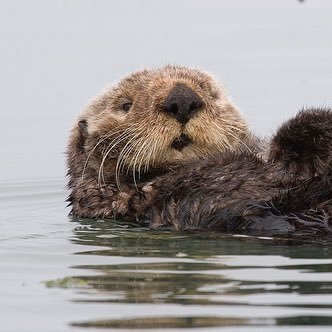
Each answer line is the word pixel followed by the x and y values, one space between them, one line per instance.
pixel 182 103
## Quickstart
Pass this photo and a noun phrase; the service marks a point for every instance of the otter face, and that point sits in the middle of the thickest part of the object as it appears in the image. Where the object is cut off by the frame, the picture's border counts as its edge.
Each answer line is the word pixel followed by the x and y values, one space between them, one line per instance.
pixel 153 118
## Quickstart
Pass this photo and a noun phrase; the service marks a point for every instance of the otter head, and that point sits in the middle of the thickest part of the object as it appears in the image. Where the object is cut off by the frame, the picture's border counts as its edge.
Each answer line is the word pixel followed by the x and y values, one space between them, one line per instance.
pixel 151 119
pixel 303 145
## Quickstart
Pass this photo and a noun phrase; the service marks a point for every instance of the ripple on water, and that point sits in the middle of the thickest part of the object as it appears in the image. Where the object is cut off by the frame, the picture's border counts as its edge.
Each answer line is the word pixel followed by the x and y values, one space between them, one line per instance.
pixel 163 279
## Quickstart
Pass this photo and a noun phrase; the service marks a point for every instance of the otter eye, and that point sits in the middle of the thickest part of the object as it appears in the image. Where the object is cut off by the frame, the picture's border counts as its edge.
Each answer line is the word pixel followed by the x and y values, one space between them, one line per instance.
pixel 126 107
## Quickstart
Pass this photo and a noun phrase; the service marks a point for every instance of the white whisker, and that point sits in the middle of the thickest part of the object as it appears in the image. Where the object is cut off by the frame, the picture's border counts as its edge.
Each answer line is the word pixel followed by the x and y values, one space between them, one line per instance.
pixel 89 155
pixel 120 161
pixel 115 142
pixel 235 137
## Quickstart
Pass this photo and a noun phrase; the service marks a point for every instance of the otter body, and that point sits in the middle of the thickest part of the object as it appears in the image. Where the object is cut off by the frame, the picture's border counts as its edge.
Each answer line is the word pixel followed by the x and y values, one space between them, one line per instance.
pixel 168 146
pixel 289 194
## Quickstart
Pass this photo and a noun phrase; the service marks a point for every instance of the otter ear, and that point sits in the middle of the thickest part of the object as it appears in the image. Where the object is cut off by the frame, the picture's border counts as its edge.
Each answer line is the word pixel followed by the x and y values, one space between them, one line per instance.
pixel 83 132
pixel 304 143
pixel 83 126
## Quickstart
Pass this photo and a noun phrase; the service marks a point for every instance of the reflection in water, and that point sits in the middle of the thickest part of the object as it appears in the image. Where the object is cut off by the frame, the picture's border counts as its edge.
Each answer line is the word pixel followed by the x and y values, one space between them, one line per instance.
pixel 167 322
pixel 213 280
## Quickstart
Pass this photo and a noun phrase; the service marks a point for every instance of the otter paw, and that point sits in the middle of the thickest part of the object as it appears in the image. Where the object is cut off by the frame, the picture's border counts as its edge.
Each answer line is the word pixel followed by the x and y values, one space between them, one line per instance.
pixel 121 204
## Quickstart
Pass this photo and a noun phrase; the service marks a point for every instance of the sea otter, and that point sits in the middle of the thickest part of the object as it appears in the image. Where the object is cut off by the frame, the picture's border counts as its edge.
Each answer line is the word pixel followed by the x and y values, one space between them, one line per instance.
pixel 168 146
pixel 151 123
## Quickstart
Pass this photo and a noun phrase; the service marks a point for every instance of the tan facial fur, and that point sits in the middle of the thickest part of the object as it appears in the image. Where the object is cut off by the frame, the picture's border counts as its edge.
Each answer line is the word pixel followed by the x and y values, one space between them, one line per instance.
pixel 112 142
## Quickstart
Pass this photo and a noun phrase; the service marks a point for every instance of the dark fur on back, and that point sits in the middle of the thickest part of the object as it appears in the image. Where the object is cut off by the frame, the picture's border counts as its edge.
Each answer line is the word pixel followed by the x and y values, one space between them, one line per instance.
pixel 288 195
pixel 188 198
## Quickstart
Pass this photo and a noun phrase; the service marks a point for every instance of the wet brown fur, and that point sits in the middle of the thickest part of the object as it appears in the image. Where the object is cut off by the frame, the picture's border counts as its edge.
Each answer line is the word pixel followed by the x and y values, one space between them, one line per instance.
pixel 289 194
pixel 112 152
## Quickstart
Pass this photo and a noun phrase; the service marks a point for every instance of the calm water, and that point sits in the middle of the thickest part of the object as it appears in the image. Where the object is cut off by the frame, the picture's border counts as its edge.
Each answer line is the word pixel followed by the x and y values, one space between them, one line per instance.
pixel 61 274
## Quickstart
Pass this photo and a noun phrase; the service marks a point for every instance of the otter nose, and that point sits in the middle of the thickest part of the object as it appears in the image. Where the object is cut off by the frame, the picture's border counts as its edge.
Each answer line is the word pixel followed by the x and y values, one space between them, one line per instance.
pixel 182 103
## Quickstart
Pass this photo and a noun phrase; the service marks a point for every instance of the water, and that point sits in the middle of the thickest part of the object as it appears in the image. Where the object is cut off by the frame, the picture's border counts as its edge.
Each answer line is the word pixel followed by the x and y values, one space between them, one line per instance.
pixel 60 274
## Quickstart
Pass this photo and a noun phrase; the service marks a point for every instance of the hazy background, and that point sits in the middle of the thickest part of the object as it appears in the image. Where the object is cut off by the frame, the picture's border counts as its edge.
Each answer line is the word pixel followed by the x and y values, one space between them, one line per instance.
pixel 56 55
